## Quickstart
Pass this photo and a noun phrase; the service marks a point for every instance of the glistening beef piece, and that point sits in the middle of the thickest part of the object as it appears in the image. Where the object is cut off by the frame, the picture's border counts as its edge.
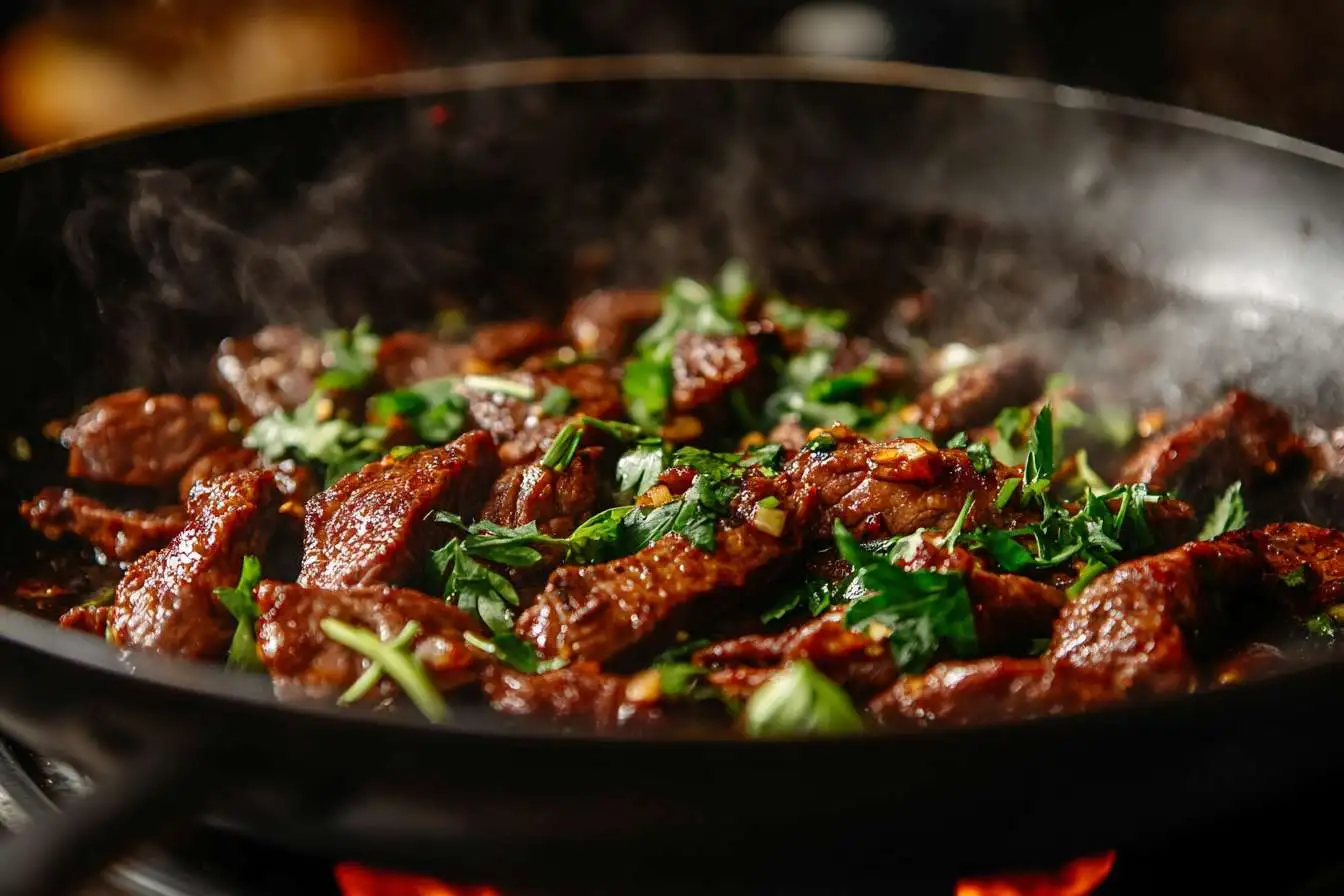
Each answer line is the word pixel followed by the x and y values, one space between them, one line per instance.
pixel 509 342
pixel 556 500
pixel 373 526
pixel 603 611
pixel 608 321
pixel 973 395
pixel 407 357
pixel 706 368
pixel 271 370
pixel 1139 629
pixel 520 426
pixel 1242 438
pixel 166 600
pixel 881 489
pixel 301 659
pixel 134 438
pixel 293 480
pixel 118 534
pixel 579 692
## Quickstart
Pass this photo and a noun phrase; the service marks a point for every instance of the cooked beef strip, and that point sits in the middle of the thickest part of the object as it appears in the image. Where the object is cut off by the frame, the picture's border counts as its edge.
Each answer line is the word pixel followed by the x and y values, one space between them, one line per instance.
pixel 166 600
pixel 973 395
pixel 406 358
pixel 556 500
pixel 520 428
pixel 880 489
pixel 134 438
pixel 705 369
pixel 510 342
pixel 117 534
pixel 579 691
pixel 302 660
pixel 1138 629
pixel 294 480
pixel 1242 438
pixel 92 620
pixel 608 321
pixel 609 611
pixel 374 526
pixel 271 370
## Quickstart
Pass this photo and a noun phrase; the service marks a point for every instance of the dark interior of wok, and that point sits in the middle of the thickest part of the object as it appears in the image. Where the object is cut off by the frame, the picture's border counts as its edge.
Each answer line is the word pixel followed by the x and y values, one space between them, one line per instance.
pixel 708 501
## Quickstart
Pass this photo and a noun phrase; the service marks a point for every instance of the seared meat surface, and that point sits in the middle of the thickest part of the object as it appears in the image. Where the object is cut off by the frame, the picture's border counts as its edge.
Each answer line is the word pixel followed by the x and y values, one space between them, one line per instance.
pixel 704 503
pixel 166 601
pixel 375 526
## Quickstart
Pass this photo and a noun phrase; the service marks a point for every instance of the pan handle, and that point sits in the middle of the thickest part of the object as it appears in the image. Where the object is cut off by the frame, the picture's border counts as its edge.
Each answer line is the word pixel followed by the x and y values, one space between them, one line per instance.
pixel 62 849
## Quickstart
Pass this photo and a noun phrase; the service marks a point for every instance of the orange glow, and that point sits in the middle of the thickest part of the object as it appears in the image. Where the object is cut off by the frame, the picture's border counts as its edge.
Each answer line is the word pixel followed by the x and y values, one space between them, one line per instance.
pixel 356 880
pixel 1078 878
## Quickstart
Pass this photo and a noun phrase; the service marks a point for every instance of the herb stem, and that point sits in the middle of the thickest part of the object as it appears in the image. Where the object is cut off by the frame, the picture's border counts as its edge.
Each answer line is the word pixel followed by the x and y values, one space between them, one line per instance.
pixel 401 666
pixel 365 682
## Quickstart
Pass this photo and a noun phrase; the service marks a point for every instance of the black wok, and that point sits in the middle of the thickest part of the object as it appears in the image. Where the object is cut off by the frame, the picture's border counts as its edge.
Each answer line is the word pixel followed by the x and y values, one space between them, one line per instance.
pixel 1163 254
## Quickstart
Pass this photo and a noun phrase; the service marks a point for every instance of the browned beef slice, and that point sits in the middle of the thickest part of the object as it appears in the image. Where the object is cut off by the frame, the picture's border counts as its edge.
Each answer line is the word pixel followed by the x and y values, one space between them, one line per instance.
pixel 973 395
pixel 608 321
pixel 602 611
pixel 118 534
pixel 134 438
pixel 706 368
pixel 852 659
pixel 166 600
pixel 373 526
pixel 788 432
pixel 1241 438
pixel 579 691
pixel 92 620
pixel 519 426
pixel 881 489
pixel 271 370
pixel 556 500
pixel 509 342
pixel 294 480
pixel 1139 629
pixel 408 357
pixel 301 659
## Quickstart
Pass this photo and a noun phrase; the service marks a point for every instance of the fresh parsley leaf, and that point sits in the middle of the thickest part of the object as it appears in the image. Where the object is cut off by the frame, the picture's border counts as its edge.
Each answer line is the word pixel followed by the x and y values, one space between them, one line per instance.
pixel 799 700
pixel 1009 425
pixel 599 537
pixel 982 459
pixel 769 457
pixel 646 385
pixel 1321 625
pixel 638 469
pixel 959 440
pixel 510 649
pixel 1228 515
pixel 920 609
pixel 434 408
pixel 563 448
pixel 398 663
pixel 242 606
pixel 557 401
pixel 693 514
pixel 1040 463
pixel 475 588
pixel 312 433
pixel 819 398
pixel 822 442
pixel 354 357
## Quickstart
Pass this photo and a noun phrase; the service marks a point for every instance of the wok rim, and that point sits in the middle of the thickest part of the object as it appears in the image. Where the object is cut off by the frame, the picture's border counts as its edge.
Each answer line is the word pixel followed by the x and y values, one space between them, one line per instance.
pixel 175 677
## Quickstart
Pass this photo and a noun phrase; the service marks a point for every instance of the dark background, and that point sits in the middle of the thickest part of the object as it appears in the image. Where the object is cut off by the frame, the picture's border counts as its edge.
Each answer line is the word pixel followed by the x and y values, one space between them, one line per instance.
pixel 1270 63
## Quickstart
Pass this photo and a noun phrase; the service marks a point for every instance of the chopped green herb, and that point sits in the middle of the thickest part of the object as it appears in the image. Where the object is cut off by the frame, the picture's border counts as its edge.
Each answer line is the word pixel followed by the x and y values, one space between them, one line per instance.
pixel 1006 492
pixel 768 502
pixel 1093 569
pixel 311 434
pixel 769 457
pixel 819 398
pixel 950 539
pixel 799 700
pixel 1228 515
pixel 366 681
pixel 647 388
pixel 821 326
pixel 678 679
pixel 354 357
pixel 959 440
pixel 1295 578
pixel 434 408
pixel 1040 463
pixel 563 448
pixel 599 537
pixel 1010 424
pixel 557 401
pixel 638 469
pixel 982 459
pixel 622 432
pixel 500 386
pixel 823 442
pixel 510 649
pixel 912 431
pixel 399 664
pixel 1321 625
pixel 1087 475
pixel 474 588
pixel 242 606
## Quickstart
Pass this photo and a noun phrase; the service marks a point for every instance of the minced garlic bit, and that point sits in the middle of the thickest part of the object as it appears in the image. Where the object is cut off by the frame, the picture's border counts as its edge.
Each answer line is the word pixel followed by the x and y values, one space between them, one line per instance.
pixel 770 520
pixel 655 497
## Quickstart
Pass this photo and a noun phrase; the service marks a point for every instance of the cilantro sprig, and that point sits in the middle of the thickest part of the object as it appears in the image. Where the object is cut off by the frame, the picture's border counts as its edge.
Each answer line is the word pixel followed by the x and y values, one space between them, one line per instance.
pixel 242 606
pixel 354 357
pixel 818 397
pixel 800 701
pixel 1228 515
